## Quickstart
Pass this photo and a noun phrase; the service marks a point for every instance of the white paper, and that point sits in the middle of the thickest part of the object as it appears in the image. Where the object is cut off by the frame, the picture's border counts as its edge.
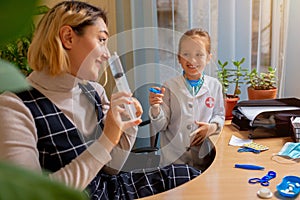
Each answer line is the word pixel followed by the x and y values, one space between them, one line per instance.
pixel 236 141
pixel 252 111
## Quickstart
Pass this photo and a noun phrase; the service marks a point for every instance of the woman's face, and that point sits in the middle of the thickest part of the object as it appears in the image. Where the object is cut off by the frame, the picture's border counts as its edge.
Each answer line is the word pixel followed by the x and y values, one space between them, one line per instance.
pixel 89 51
pixel 193 57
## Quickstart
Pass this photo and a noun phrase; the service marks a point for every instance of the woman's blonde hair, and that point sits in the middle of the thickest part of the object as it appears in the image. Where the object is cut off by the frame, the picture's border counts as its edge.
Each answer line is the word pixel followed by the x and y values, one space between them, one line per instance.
pixel 46 49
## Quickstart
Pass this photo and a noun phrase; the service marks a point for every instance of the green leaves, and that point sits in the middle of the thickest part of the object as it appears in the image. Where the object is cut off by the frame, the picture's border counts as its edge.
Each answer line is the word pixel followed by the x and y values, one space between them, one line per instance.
pixel 231 76
pixel 21 184
pixel 16 53
pixel 262 81
pixel 39 10
pixel 11 78
pixel 15 37
pixel 15 18
pixel 223 76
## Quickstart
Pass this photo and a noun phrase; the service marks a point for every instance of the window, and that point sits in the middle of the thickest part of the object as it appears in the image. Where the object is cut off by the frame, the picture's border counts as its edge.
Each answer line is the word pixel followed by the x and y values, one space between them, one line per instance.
pixel 251 29
pixel 254 29
pixel 261 34
pixel 179 16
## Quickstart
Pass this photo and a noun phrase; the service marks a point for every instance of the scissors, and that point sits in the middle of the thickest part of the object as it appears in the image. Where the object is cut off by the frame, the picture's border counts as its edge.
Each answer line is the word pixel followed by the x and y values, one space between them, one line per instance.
pixel 264 181
pixel 246 149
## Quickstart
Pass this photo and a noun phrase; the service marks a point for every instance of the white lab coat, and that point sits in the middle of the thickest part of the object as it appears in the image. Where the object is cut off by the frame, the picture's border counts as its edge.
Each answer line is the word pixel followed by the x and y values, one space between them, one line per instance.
pixel 178 113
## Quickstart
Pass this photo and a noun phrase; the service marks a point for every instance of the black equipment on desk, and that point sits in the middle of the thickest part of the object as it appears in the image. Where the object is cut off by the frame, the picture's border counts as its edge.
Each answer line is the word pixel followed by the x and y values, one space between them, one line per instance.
pixel 266 118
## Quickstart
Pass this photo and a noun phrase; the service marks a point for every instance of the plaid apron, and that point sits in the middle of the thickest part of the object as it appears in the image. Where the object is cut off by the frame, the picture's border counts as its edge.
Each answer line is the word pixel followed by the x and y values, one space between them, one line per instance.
pixel 59 142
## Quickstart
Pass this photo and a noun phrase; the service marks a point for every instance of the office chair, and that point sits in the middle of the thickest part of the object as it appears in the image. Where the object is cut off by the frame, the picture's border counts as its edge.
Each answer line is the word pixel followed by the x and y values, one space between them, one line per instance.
pixel 153 140
pixel 145 152
pixel 146 156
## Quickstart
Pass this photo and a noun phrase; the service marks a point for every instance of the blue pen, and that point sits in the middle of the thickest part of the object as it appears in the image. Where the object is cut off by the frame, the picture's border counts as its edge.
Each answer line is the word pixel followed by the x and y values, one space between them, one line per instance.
pixel 156 91
pixel 247 166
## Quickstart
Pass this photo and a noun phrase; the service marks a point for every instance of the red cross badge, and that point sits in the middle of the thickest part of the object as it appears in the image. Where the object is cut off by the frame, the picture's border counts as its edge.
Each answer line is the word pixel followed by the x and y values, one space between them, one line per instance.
pixel 210 102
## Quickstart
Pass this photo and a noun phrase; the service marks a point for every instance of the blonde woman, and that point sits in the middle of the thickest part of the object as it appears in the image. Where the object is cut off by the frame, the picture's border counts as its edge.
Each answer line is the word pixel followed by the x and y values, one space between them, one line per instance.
pixel 65 124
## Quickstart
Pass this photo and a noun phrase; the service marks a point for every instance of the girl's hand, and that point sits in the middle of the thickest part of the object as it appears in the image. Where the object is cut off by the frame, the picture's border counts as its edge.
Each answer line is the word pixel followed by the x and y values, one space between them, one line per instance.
pixel 114 125
pixel 155 100
pixel 204 130
pixel 138 107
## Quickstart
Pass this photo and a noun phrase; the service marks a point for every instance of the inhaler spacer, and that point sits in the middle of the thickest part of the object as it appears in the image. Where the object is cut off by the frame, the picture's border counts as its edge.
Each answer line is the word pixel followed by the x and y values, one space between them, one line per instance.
pixel 121 81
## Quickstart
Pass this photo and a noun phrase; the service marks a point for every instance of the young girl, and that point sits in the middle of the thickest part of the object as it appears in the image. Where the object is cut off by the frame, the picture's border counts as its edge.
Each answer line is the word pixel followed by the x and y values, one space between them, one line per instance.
pixel 190 107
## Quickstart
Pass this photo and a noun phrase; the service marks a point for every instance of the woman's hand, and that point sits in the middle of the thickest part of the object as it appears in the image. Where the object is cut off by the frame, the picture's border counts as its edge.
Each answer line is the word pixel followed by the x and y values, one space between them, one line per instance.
pixel 204 130
pixel 114 125
pixel 155 100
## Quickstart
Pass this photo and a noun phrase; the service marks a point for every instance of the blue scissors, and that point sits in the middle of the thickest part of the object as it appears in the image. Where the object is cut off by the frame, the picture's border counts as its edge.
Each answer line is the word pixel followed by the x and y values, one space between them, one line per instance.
pixel 264 181
pixel 246 149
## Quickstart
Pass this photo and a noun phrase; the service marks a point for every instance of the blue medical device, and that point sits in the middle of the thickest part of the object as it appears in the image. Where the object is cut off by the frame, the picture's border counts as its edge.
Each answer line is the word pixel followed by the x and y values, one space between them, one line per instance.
pixel 264 181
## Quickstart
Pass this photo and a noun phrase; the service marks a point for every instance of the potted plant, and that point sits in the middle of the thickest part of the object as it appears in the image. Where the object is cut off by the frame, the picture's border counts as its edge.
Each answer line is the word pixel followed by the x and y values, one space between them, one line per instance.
pixel 227 77
pixel 15 51
pixel 261 85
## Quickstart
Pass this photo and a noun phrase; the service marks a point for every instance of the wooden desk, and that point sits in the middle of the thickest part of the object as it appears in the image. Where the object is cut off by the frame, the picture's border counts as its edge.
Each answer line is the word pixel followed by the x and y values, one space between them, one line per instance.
pixel 222 181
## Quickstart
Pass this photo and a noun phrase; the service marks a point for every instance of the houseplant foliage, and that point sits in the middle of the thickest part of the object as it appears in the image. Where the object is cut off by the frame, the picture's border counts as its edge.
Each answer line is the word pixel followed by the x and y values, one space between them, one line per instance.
pixel 15 182
pixel 223 76
pixel 13 53
pixel 16 52
pixel 11 79
pixel 22 184
pixel 231 76
pixel 262 85
pixel 238 76
pixel 262 81
pixel 15 18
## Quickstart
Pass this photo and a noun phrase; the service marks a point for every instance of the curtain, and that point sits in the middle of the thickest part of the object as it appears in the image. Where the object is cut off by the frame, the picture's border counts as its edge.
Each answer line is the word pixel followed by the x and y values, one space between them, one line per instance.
pixel 254 29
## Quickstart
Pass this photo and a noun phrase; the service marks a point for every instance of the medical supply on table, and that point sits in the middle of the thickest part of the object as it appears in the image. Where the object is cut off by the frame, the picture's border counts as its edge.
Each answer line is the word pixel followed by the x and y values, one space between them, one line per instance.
pixel 290 150
pixel 253 147
pixel 264 193
pixel 247 149
pixel 154 90
pixel 256 146
pixel 236 141
pixel 249 166
pixel 121 81
pixel 264 181
pixel 289 187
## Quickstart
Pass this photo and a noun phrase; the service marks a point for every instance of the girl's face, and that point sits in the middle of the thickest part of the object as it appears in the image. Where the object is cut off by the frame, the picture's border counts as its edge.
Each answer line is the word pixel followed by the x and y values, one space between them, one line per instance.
pixel 89 51
pixel 193 57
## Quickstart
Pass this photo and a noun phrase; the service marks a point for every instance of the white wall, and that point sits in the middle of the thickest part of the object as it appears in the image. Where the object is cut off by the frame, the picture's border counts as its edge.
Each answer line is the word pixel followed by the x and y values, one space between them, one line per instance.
pixel 292 71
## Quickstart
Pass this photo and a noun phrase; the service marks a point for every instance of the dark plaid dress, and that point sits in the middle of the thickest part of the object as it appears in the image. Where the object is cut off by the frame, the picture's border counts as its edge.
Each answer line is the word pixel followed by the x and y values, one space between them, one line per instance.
pixel 59 142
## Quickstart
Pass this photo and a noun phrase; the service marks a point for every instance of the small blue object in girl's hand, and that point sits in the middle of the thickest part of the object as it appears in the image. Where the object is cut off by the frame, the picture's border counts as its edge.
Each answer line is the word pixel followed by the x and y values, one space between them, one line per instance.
pixel 156 91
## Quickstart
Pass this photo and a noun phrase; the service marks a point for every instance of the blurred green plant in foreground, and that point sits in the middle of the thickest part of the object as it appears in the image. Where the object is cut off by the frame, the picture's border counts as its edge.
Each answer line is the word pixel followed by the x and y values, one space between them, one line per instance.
pixel 21 184
pixel 15 182
pixel 15 37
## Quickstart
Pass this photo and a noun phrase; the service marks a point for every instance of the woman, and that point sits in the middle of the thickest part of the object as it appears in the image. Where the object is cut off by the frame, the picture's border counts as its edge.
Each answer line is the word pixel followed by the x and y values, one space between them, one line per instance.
pixel 65 123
